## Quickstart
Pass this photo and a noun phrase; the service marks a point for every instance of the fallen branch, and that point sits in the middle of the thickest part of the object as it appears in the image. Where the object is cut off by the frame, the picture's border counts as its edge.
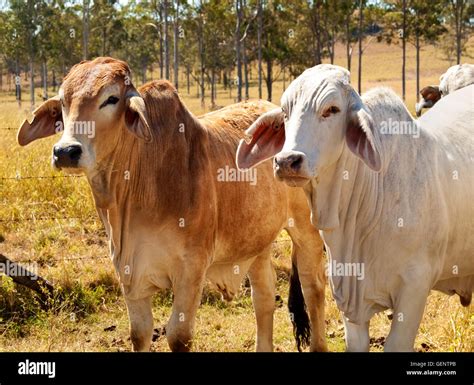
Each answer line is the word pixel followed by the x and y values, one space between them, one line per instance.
pixel 24 277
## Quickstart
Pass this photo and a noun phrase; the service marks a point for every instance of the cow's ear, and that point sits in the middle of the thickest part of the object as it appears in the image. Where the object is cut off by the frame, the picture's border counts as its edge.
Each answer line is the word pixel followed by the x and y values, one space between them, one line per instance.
pixel 136 117
pixel 267 138
pixel 360 137
pixel 44 122
pixel 432 93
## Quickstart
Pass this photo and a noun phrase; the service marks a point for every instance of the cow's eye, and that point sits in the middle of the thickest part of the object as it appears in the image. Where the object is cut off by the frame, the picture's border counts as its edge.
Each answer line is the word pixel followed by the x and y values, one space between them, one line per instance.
pixel 330 110
pixel 110 100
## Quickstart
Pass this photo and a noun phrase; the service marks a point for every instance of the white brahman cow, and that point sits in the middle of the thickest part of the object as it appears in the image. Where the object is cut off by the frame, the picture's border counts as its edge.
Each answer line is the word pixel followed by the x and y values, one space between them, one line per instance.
pixel 393 197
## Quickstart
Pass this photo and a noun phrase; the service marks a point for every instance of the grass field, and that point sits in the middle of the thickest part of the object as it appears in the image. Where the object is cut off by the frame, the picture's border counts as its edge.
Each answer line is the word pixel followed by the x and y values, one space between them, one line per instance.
pixel 52 222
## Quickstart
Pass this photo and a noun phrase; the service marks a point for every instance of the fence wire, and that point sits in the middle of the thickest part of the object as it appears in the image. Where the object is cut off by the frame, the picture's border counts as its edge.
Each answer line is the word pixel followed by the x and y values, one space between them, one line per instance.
pixel 30 260
pixel 20 177
pixel 33 218
pixel 43 218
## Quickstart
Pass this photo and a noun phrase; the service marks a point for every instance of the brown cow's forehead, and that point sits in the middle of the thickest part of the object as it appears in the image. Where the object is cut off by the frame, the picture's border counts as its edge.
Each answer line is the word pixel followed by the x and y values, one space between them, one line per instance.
pixel 85 80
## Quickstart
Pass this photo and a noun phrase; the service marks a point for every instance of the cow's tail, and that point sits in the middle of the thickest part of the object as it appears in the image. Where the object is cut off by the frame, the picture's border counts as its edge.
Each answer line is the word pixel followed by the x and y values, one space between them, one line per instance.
pixel 297 308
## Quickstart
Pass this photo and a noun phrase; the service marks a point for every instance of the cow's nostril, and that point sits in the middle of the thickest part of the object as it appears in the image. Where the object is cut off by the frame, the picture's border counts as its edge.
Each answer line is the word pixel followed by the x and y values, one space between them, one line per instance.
pixel 295 162
pixel 57 151
pixel 74 153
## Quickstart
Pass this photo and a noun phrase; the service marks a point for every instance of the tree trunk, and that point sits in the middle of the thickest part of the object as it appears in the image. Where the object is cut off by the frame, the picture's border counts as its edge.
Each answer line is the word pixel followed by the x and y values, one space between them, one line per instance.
pixel 458 7
pixel 215 88
pixel 18 88
pixel 201 55
pixel 348 41
pixel 42 79
pixel 259 46
pixel 238 8
pixel 317 29
pixel 18 82
pixel 213 79
pixel 361 18
pixel 32 81
pixel 175 46
pixel 269 80
pixel 404 10
pixel 187 78
pixel 417 65
pixel 284 79
pixel 85 29
pixel 54 80
pixel 198 89
pixel 333 45
pixel 144 67
pixel 246 71
pixel 104 37
pixel 160 13
pixel 166 41
pixel 45 80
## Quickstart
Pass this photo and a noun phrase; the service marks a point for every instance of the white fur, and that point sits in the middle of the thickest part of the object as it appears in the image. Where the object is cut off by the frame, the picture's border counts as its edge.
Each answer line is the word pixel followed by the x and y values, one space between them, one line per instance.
pixel 410 224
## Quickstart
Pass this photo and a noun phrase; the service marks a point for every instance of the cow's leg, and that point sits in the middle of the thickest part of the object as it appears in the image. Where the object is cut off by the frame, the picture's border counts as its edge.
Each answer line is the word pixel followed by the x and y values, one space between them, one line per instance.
pixel 357 336
pixel 187 291
pixel 141 323
pixel 262 279
pixel 308 256
pixel 408 312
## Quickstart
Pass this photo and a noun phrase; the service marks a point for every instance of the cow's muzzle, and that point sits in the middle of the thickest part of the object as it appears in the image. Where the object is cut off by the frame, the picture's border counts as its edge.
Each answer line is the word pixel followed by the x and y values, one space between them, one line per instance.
pixel 66 156
pixel 291 167
pixel 422 104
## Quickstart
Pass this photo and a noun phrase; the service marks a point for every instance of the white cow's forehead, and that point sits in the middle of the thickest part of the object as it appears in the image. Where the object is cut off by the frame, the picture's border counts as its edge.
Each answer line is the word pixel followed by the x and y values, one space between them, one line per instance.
pixel 315 86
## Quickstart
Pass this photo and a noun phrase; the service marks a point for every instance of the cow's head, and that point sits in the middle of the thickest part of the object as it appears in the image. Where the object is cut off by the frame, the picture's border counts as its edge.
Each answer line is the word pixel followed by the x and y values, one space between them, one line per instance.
pixel 429 96
pixel 96 104
pixel 320 114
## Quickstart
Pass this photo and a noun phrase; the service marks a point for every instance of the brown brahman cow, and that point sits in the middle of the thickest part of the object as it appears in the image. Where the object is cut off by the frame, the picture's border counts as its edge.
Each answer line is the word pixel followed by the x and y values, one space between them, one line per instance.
pixel 176 209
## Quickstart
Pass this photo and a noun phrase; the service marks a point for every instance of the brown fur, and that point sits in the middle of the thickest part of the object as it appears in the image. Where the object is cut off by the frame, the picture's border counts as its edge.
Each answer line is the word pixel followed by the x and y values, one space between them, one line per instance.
pixel 79 74
pixel 431 93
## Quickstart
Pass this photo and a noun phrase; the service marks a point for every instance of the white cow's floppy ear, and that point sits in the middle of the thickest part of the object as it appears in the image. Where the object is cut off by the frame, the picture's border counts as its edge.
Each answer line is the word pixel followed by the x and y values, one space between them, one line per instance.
pixel 360 137
pixel 136 117
pixel 267 138
pixel 43 123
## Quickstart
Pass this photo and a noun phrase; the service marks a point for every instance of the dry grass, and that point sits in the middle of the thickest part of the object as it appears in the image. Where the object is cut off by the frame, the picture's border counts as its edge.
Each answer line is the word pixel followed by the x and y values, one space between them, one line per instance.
pixel 93 296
